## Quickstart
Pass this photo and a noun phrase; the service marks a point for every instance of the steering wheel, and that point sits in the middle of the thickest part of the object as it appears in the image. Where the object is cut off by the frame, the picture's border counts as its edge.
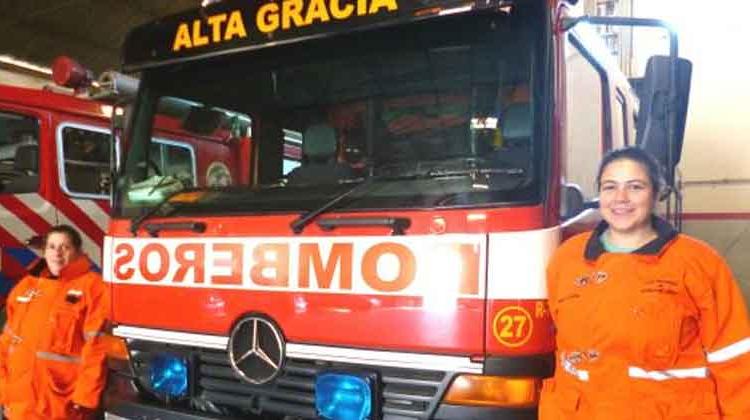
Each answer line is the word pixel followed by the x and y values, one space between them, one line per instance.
pixel 153 165
pixel 8 177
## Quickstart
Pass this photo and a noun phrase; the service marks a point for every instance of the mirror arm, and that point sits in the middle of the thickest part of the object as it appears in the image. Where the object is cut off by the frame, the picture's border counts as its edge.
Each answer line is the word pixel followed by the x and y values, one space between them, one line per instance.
pixel 569 22
pixel 591 204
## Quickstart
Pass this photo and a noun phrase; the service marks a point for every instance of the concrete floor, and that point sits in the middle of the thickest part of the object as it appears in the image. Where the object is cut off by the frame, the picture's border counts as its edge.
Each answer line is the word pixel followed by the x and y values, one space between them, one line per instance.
pixel 732 239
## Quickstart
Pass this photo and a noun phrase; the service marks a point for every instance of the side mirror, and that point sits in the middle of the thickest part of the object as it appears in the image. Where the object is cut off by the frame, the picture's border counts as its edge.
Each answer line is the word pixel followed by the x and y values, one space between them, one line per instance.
pixel 572 202
pixel 659 109
pixel 35 242
pixel 663 91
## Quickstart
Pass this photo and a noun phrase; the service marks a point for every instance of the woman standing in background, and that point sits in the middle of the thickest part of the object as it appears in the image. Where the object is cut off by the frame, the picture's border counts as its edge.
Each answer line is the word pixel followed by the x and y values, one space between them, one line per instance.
pixel 52 356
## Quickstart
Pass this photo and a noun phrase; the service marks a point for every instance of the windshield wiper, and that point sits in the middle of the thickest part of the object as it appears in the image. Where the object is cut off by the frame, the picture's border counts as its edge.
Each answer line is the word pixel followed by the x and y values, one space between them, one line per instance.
pixel 299 224
pixel 479 184
pixel 444 173
pixel 136 222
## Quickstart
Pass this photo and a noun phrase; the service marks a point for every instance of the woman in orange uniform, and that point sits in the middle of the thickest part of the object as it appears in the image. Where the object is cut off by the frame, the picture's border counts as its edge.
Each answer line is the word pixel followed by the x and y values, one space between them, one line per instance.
pixel 51 352
pixel 650 323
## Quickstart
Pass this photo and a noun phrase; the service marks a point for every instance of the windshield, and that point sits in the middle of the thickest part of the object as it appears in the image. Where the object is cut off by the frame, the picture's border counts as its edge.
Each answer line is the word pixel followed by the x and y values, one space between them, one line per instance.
pixel 443 112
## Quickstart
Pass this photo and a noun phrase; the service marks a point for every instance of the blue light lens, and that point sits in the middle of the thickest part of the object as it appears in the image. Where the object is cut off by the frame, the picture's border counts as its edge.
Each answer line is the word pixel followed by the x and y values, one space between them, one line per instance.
pixel 168 375
pixel 342 397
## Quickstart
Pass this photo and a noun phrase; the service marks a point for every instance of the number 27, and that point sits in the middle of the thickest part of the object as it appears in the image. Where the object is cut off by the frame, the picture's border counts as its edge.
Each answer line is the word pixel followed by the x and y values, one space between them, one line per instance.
pixel 508 321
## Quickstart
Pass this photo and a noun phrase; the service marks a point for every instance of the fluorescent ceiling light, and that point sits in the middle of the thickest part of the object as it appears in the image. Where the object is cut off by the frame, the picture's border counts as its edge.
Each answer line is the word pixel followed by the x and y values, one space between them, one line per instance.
pixel 11 61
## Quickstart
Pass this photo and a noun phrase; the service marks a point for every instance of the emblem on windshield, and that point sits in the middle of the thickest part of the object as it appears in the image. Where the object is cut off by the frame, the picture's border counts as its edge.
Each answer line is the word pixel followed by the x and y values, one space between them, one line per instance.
pixel 256 350
pixel 218 175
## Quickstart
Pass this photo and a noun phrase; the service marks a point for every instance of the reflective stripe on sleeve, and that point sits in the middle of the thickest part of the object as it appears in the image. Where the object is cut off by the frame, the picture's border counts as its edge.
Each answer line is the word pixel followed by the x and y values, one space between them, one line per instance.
pixel 729 352
pixel 663 375
pixel 582 375
pixel 57 357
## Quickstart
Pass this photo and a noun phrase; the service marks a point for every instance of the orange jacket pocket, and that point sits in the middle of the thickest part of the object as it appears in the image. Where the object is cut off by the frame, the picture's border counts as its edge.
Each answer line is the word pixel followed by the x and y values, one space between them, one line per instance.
pixel 62 337
pixel 57 381
pixel 657 327
pixel 696 405
pixel 558 403
pixel 60 377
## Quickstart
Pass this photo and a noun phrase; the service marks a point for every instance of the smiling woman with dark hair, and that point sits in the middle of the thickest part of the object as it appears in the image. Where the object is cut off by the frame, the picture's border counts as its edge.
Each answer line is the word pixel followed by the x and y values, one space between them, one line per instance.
pixel 51 351
pixel 650 323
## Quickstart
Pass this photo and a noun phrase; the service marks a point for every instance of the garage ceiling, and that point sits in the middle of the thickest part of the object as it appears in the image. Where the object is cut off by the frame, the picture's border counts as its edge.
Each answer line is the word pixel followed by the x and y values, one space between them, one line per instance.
pixel 90 31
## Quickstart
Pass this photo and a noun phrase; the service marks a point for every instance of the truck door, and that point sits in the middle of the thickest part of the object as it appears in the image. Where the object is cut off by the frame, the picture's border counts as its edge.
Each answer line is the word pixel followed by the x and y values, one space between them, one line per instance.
pixel 26 185
pixel 82 158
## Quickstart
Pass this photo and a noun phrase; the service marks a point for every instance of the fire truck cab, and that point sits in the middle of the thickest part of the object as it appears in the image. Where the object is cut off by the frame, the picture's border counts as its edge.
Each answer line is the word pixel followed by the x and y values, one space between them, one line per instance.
pixel 377 245
pixel 54 168
pixel 56 158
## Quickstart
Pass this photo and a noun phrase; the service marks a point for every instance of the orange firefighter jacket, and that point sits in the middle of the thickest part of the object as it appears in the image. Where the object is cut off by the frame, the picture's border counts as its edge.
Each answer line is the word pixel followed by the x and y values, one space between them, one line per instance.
pixel 51 354
pixel 659 333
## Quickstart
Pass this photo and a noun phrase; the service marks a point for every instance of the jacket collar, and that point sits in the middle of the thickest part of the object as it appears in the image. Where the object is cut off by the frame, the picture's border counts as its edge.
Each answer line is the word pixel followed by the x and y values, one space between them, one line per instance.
pixel 78 267
pixel 665 233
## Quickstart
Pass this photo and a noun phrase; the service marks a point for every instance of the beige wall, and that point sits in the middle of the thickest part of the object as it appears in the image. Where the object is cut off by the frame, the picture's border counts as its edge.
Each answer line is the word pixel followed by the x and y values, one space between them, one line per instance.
pixel 716 198
pixel 716 155
pixel 731 238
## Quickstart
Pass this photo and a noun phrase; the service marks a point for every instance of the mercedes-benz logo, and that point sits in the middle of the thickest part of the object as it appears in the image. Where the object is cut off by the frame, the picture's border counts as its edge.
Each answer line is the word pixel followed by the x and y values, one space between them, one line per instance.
pixel 256 350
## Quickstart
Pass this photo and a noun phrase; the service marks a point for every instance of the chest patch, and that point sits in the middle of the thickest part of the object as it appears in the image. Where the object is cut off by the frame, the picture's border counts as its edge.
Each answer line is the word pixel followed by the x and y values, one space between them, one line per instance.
pixel 660 286
pixel 597 277
pixel 73 296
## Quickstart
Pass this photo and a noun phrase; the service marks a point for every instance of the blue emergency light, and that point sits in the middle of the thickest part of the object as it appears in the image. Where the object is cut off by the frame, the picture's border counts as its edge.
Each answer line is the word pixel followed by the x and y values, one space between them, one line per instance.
pixel 168 375
pixel 341 396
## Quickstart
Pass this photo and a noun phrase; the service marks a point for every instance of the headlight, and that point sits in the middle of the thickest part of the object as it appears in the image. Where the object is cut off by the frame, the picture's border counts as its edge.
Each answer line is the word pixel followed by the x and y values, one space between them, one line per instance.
pixel 168 375
pixel 344 396
pixel 165 375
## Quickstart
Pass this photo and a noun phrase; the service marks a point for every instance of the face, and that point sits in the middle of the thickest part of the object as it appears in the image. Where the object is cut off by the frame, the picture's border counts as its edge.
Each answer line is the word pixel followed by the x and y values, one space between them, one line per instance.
pixel 626 196
pixel 59 251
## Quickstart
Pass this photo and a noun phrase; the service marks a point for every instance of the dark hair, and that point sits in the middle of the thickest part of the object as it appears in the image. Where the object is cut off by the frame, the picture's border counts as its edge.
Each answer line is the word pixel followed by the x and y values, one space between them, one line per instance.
pixel 636 154
pixel 73 235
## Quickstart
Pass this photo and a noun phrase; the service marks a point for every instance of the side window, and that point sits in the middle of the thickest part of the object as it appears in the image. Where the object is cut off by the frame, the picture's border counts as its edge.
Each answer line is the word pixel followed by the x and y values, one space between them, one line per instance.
pixel 292 150
pixel 173 159
pixel 19 153
pixel 85 160
pixel 588 128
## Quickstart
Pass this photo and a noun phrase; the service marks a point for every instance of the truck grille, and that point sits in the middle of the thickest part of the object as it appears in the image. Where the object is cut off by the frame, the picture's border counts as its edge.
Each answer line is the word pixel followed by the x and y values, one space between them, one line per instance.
pixel 405 393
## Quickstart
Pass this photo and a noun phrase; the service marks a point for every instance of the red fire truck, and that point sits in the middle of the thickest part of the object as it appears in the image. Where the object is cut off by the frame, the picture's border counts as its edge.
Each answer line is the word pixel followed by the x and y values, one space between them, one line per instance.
pixel 56 158
pixel 55 153
pixel 377 245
